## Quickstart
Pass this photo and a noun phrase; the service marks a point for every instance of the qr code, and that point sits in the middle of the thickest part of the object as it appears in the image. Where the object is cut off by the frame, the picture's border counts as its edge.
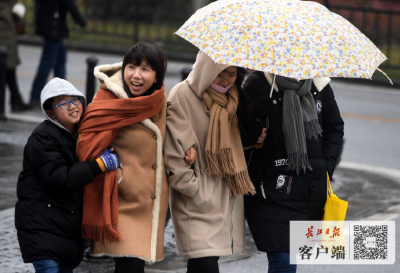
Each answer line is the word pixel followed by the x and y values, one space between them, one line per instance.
pixel 370 242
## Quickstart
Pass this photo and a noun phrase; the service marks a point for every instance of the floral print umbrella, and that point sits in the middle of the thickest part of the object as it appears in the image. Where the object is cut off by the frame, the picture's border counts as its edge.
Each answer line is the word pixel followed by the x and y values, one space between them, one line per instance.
pixel 297 39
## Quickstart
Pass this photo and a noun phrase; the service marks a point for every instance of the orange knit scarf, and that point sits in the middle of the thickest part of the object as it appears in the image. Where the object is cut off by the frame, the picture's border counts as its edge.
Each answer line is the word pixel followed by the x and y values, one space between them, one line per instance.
pixel 98 128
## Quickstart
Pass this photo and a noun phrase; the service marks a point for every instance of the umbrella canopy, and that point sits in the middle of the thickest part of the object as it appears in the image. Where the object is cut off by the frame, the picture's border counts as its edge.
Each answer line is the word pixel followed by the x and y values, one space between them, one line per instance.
pixel 297 39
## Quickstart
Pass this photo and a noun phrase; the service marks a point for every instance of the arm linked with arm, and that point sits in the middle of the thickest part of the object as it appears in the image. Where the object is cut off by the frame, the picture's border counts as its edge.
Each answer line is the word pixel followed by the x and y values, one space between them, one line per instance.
pixel 179 137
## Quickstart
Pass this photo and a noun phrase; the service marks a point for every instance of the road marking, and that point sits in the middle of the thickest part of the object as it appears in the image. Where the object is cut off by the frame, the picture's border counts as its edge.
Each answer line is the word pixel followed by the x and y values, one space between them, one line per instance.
pixel 390 120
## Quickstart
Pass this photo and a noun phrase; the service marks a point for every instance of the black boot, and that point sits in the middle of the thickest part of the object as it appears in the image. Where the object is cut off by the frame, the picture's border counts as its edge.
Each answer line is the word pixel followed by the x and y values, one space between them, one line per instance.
pixel 17 104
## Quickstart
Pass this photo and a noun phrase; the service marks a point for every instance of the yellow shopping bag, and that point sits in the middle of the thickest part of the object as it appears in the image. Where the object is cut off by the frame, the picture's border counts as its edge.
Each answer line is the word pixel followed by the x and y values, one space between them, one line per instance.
pixel 335 208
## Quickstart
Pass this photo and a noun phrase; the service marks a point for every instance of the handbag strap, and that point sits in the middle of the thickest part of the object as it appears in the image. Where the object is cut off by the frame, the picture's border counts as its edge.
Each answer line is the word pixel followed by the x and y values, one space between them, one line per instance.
pixel 329 187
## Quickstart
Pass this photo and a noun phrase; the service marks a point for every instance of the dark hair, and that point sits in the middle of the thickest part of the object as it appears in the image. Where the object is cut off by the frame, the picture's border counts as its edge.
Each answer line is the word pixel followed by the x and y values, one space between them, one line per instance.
pixel 244 105
pixel 154 56
pixel 48 103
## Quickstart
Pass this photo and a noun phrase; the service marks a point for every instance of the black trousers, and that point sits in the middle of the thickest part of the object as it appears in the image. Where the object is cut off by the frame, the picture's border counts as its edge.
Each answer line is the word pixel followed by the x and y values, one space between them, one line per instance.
pixel 202 265
pixel 129 265
pixel 12 84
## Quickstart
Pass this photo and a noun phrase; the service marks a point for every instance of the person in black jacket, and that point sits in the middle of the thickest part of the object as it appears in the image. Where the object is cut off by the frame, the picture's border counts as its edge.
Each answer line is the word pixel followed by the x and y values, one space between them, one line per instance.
pixel 289 170
pixel 51 24
pixel 48 213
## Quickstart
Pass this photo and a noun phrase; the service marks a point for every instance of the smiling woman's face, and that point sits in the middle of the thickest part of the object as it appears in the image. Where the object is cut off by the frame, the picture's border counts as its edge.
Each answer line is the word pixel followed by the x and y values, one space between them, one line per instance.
pixel 139 78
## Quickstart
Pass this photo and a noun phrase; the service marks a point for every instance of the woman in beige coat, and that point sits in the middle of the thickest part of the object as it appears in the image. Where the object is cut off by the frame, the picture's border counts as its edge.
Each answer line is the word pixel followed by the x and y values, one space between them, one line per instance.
pixel 124 213
pixel 206 198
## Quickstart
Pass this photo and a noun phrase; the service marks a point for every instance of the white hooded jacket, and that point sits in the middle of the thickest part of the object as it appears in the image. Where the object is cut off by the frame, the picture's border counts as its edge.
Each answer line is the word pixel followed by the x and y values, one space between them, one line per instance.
pixel 59 87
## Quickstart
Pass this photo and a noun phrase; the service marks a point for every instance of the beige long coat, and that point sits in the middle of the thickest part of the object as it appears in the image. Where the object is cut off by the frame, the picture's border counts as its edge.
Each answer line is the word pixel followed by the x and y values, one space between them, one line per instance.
pixel 208 221
pixel 143 187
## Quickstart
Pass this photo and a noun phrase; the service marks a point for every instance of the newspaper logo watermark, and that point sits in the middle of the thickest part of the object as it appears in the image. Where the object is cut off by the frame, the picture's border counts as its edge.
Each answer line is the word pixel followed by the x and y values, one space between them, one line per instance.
pixel 342 242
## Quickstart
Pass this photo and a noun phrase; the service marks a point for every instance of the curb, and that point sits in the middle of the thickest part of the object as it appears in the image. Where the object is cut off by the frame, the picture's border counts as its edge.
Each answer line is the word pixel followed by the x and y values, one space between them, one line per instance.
pixel 386 172
pixel 107 49
pixel 376 81
pixel 24 118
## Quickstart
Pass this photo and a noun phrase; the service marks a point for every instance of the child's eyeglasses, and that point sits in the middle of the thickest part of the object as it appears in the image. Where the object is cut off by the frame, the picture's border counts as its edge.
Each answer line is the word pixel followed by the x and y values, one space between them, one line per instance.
pixel 65 105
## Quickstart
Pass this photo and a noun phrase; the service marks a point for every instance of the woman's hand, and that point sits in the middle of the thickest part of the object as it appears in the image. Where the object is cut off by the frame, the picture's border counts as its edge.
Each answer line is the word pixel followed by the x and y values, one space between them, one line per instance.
pixel 263 136
pixel 190 156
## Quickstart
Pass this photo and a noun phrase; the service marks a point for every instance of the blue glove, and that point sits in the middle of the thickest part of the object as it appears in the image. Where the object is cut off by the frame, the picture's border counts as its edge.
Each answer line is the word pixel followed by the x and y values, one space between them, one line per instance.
pixel 110 160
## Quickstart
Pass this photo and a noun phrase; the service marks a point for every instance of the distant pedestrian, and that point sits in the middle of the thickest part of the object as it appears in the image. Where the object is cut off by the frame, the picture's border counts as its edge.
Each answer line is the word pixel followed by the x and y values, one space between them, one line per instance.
pixel 124 211
pixel 8 38
pixel 301 133
pixel 48 214
pixel 50 23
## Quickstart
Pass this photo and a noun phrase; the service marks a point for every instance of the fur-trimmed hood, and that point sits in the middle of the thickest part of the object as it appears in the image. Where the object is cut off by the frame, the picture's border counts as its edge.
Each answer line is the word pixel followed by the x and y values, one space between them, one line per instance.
pixel 110 77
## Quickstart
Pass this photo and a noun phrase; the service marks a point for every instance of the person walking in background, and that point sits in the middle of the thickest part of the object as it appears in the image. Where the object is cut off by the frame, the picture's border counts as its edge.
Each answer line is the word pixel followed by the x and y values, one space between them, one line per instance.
pixel 303 133
pixel 51 24
pixel 8 38
pixel 207 198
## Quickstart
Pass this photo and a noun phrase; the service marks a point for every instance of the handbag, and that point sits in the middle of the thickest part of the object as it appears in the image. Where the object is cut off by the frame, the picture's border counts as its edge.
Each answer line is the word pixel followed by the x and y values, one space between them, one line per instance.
pixel 335 209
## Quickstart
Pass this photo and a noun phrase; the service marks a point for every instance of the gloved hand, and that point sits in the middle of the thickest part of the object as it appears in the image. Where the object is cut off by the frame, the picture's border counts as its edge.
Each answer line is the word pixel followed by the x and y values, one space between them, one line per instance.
pixel 110 160
pixel 264 107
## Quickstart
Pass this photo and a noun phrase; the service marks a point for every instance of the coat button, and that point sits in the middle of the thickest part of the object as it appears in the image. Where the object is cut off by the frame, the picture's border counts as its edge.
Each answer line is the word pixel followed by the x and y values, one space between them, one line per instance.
pixel 315 93
pixel 274 101
pixel 155 137
pixel 72 211
pixel 49 205
pixel 153 197
pixel 280 99
pixel 154 167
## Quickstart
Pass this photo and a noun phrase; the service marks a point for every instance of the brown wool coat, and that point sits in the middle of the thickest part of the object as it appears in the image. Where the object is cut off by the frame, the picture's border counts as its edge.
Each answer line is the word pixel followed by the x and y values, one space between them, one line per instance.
pixel 143 187
pixel 207 219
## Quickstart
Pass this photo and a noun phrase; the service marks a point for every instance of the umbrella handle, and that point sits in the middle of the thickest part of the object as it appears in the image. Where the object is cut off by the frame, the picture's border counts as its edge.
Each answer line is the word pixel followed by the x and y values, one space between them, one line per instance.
pixel 272 87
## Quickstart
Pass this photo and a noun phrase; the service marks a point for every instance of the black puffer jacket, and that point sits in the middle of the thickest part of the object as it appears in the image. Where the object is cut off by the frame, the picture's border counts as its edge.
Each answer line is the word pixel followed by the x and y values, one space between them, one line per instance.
pixel 48 214
pixel 302 197
pixel 51 15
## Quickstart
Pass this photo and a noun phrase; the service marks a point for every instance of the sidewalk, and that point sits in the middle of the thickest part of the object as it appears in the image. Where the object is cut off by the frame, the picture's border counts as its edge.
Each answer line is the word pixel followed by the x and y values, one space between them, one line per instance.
pixel 368 191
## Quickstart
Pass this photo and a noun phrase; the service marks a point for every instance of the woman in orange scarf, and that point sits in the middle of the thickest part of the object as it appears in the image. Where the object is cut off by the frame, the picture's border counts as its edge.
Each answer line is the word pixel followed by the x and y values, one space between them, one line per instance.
pixel 124 211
